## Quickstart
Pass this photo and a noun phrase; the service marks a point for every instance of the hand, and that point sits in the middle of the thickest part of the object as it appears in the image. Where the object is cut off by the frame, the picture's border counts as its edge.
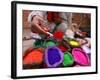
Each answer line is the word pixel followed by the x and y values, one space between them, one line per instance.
pixel 38 25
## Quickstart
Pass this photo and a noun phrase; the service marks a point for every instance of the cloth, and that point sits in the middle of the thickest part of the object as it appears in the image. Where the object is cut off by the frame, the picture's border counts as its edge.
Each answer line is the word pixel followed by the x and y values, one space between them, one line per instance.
pixel 35 35
pixel 69 33
pixel 66 17
pixel 38 17
pixel 61 27
pixel 37 13
pixel 86 49
pixel 52 15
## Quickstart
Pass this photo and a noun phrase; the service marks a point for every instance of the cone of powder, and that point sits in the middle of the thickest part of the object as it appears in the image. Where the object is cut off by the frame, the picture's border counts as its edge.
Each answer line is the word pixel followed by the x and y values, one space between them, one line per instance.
pixel 74 43
pixel 53 56
pixel 80 56
pixel 38 43
pixel 49 43
pixel 34 57
pixel 68 59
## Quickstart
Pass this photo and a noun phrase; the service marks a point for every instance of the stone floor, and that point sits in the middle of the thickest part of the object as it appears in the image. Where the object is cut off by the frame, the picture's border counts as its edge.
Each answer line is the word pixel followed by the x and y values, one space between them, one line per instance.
pixel 27 43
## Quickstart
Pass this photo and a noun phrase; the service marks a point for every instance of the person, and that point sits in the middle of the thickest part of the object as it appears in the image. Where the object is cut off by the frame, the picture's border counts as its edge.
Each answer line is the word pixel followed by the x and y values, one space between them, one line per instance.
pixel 73 31
pixel 85 42
pixel 38 25
pixel 57 21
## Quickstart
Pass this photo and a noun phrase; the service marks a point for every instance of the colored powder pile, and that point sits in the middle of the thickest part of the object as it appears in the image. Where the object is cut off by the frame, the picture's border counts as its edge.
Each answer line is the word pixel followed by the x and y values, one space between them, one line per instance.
pixel 53 56
pixel 68 59
pixel 38 43
pixel 74 43
pixel 58 35
pixel 62 48
pixel 28 50
pixel 35 56
pixel 80 57
pixel 50 43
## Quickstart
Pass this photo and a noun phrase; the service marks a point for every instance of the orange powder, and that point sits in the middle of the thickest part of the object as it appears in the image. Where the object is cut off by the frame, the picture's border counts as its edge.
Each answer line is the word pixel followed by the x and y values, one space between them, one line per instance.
pixel 36 56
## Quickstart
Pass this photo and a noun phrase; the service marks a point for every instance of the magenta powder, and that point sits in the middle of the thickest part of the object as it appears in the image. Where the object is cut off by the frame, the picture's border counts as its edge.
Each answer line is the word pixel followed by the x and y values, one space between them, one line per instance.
pixel 80 56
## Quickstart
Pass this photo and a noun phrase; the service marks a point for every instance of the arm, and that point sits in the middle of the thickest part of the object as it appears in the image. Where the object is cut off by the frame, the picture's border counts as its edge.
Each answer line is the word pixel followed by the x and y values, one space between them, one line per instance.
pixel 36 25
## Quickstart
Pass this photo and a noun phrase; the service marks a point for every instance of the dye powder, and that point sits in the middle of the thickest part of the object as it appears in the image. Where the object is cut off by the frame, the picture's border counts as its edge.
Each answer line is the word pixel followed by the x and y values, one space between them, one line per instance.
pixel 53 56
pixel 80 56
pixel 38 43
pixel 34 57
pixel 68 59
pixel 62 48
pixel 73 43
pixel 50 43
pixel 27 51
pixel 58 35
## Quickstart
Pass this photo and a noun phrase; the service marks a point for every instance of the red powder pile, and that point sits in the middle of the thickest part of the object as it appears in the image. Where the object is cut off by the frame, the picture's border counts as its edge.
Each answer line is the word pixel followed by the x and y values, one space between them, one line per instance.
pixel 58 35
pixel 62 48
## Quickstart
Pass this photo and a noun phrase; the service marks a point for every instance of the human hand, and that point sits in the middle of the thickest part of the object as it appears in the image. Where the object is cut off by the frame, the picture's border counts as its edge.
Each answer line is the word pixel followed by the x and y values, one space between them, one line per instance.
pixel 38 26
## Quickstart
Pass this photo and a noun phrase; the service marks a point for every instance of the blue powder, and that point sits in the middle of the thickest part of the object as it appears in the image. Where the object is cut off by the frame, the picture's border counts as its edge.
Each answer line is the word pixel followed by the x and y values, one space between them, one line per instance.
pixel 53 56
